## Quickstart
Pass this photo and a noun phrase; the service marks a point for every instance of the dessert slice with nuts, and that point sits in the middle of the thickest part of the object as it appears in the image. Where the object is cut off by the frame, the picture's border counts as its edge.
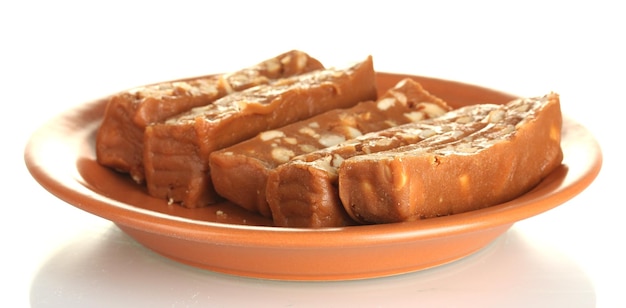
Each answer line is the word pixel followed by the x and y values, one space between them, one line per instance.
pixel 517 149
pixel 239 172
pixel 176 151
pixel 119 142
pixel 303 192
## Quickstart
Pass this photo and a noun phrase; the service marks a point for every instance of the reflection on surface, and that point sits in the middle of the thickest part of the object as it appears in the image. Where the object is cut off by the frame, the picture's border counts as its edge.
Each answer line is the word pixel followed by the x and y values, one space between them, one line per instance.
pixel 105 268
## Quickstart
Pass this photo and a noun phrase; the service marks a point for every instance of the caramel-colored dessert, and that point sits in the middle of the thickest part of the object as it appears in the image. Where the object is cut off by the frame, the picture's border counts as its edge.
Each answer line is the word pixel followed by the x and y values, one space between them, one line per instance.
pixel 472 157
pixel 519 146
pixel 311 146
pixel 119 142
pixel 176 151
pixel 244 167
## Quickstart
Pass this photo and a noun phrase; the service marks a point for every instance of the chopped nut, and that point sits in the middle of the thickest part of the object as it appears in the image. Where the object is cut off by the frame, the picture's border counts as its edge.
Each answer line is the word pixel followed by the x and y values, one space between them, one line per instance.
pixel 225 84
pixel 206 88
pixel 464 119
pixel 496 116
pixel 308 131
pixel 338 74
pixel 400 84
pixel 353 132
pixel 271 134
pixel 181 88
pixel 290 140
pixel 301 61
pixel 522 108
pixel 383 142
pixel 401 97
pixel 508 129
pixel 348 119
pixel 466 148
pixel 401 179
pixel 366 116
pixel 366 148
pixel 391 123
pixel 282 155
pixel 272 66
pixel 385 103
pixel 325 164
pixel 330 140
pixel 456 134
pixel 432 110
pixel 307 148
pixel 427 133
pixel 337 160
pixel 285 61
pixel 195 91
pixel 414 116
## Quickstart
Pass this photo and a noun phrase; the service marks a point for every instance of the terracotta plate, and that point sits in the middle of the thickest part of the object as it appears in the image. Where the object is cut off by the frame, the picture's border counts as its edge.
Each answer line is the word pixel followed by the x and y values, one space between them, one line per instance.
pixel 61 157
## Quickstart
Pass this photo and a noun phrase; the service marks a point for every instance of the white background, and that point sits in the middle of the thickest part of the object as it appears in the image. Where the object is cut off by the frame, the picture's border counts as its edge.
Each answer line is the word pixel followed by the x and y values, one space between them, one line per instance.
pixel 59 54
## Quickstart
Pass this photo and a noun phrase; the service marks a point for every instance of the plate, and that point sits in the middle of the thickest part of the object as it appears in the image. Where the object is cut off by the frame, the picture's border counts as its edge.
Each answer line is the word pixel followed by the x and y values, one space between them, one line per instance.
pixel 223 238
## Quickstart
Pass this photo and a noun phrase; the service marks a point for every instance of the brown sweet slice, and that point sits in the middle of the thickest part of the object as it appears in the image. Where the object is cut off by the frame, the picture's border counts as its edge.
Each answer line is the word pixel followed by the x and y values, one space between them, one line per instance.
pixel 239 172
pixel 303 192
pixel 519 147
pixel 176 152
pixel 119 141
